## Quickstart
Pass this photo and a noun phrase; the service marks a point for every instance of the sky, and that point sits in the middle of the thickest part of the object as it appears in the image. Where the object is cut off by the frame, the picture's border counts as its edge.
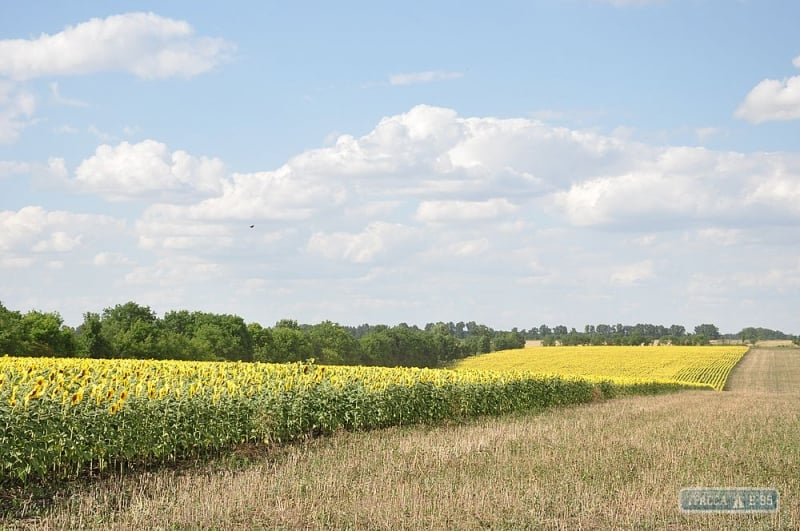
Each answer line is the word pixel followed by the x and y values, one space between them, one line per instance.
pixel 514 163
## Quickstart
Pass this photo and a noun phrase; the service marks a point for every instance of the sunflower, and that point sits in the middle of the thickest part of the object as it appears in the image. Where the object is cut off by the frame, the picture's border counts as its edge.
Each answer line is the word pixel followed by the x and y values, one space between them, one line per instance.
pixel 76 398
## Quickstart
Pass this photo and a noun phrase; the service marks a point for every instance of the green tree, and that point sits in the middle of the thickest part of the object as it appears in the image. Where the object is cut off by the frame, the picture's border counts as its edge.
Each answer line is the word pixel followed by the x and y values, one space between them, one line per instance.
pixel 377 346
pixel 11 333
pixel 44 335
pixel 91 342
pixel 448 347
pixel 263 345
pixel 171 345
pixel 332 344
pixel 508 340
pixel 708 330
pixel 130 330
pixel 222 336
pixel 290 344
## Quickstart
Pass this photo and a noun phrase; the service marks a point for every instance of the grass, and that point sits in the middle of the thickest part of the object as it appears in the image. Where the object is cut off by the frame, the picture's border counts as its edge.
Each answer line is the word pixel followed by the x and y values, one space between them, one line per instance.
pixel 615 464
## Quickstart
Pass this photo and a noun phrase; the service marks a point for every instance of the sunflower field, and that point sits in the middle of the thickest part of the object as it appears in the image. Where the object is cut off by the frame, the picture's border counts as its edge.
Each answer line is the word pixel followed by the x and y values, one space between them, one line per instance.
pixel 705 365
pixel 62 418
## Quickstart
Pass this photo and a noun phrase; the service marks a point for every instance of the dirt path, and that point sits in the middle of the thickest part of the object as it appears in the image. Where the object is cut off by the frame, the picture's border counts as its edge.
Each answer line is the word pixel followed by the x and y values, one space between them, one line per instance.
pixel 772 370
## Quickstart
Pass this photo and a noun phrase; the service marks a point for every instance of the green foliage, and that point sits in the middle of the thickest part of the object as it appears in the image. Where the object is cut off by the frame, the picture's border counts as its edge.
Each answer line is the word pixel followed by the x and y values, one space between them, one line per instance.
pixel 708 330
pixel 45 335
pixel 290 344
pixel 91 342
pixel 630 335
pixel 753 334
pixel 331 344
pixel 35 334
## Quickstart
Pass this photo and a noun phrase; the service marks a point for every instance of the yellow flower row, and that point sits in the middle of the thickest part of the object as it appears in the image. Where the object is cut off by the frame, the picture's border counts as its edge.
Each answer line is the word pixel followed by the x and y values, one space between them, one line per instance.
pixel 73 382
pixel 704 365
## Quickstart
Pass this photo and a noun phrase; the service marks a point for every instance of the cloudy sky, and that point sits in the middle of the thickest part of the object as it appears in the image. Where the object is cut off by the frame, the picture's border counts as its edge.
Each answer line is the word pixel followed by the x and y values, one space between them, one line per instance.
pixel 514 163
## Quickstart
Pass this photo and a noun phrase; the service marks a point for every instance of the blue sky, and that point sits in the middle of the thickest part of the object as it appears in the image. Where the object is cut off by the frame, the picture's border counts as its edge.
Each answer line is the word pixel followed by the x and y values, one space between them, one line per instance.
pixel 560 162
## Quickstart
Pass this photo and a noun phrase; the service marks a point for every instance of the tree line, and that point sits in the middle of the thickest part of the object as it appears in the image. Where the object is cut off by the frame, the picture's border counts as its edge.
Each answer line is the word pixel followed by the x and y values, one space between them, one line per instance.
pixel 131 330
pixel 619 334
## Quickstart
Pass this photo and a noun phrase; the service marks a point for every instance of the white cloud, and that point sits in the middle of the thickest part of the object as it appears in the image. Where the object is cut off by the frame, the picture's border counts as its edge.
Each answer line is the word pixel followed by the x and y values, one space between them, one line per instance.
pixel 157 229
pixel 145 44
pixel 715 236
pixel 55 92
pixel 175 271
pixel 777 191
pixel 58 242
pixel 470 247
pixel 458 211
pixel 680 185
pixel 11 167
pixel 377 238
pixel 606 199
pixel 631 274
pixel 431 166
pixel 705 133
pixel 132 171
pixel 131 130
pixel 16 108
pixel 413 78
pixel 277 195
pixel 772 100
pixel 54 169
pixel 34 229
pixel 100 135
pixel 111 259
pixel 15 262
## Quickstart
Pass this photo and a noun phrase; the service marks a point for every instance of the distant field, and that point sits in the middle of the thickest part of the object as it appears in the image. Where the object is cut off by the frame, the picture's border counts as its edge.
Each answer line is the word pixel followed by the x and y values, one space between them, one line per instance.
pixel 764 343
pixel 774 370
pixel 695 365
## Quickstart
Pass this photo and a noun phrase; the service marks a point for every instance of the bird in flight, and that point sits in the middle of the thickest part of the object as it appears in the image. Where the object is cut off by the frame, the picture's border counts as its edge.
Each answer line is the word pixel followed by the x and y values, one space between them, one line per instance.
pixel 251 226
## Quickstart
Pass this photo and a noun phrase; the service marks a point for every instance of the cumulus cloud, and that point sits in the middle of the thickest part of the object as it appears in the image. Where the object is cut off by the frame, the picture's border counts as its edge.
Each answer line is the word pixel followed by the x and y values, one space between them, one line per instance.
pixel 479 207
pixel 159 228
pixel 34 229
pixel 630 274
pixel 772 100
pixel 431 166
pixel 777 190
pixel 111 259
pixel 175 271
pixel 429 76
pixel 360 247
pixel 131 171
pixel 144 44
pixel 58 242
pixel 680 185
pixel 458 211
